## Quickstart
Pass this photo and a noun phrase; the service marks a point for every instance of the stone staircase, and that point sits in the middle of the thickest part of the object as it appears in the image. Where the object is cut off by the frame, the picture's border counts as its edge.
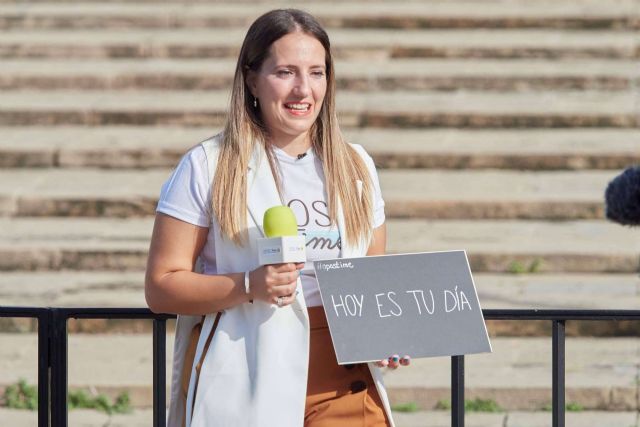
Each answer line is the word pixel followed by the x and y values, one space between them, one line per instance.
pixel 496 126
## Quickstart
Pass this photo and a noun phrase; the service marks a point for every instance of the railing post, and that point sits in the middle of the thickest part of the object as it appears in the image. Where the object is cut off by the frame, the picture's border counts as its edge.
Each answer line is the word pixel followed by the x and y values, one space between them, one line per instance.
pixel 59 365
pixel 44 362
pixel 159 372
pixel 558 386
pixel 457 391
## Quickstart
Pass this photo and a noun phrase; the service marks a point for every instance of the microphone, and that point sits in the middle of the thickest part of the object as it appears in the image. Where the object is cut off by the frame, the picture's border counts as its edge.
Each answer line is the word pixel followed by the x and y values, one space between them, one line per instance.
pixel 282 243
pixel 623 197
pixel 301 156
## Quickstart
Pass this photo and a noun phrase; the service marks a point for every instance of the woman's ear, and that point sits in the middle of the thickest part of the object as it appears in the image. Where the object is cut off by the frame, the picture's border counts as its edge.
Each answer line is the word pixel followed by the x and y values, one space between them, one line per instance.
pixel 250 80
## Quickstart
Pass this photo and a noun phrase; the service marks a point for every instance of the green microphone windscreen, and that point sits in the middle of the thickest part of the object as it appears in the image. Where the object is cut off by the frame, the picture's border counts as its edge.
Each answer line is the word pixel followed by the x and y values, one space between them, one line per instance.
pixel 280 221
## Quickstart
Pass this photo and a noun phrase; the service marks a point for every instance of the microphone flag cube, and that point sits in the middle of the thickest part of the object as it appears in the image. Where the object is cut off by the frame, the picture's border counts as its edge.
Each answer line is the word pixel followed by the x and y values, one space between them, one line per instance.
pixel 277 250
pixel 282 243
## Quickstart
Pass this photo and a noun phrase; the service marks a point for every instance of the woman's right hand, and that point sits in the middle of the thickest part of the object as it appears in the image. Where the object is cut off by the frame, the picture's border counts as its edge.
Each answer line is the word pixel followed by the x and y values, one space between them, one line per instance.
pixel 270 282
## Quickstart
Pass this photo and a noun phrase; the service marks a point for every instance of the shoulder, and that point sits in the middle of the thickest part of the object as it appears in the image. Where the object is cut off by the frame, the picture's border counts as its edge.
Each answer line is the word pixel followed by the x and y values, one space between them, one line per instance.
pixel 198 162
pixel 205 154
pixel 211 145
pixel 359 149
pixel 213 142
pixel 363 154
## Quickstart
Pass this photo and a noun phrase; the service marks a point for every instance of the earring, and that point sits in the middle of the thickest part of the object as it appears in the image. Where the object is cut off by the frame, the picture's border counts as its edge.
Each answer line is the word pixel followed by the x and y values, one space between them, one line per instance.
pixel 255 102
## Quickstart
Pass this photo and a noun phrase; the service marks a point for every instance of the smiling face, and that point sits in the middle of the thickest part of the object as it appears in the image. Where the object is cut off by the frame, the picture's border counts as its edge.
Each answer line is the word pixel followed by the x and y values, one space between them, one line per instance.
pixel 290 86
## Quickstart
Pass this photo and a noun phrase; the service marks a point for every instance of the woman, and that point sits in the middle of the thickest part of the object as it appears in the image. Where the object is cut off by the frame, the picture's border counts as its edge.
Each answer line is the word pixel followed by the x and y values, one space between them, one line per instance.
pixel 263 354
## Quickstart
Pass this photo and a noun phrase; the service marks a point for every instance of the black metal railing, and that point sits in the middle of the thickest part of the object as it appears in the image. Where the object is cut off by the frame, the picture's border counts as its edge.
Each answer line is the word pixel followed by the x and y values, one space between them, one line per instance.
pixel 53 357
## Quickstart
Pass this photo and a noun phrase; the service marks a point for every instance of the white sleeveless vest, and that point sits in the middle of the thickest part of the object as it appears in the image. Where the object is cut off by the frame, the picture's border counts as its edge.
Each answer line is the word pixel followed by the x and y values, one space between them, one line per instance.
pixel 255 372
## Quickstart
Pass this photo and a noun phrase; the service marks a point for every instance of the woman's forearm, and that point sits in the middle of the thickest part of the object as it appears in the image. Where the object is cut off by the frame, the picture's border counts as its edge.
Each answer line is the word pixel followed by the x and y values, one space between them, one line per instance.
pixel 186 292
pixel 171 286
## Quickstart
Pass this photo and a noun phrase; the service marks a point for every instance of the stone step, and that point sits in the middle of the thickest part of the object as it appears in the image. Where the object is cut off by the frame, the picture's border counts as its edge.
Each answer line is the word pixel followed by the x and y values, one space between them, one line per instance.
pixel 588 5
pixel 440 194
pixel 563 291
pixel 536 149
pixel 495 291
pixel 399 109
pixel 428 194
pixel 521 291
pixel 348 43
pixel 399 74
pixel 493 246
pixel 601 372
pixel 142 417
pixel 75 289
pixel 405 15
pixel 517 419
pixel 127 147
pixel 139 417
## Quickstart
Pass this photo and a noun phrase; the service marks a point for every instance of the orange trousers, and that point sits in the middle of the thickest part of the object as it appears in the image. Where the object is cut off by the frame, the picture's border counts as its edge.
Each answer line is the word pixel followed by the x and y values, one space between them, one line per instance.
pixel 338 396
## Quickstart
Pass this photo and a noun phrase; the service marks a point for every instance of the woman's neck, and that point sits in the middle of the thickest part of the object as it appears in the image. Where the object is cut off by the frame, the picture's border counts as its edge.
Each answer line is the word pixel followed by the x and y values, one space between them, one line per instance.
pixel 292 145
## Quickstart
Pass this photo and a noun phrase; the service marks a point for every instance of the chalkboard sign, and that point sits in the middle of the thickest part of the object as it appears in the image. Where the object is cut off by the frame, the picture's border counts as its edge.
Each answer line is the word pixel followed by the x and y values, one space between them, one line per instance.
pixel 422 305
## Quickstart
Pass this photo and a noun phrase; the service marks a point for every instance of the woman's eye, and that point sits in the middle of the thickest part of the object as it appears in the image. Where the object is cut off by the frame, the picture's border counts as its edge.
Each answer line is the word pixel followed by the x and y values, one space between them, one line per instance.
pixel 318 73
pixel 284 73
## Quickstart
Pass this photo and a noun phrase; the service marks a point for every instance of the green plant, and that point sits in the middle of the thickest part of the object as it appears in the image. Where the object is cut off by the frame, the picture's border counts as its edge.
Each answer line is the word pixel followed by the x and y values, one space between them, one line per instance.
pixel 80 399
pixel 24 396
pixel 21 396
pixel 482 405
pixel 475 405
pixel 122 404
pixel 405 407
pixel 443 404
pixel 516 267
pixel 535 266
pixel 574 407
pixel 569 406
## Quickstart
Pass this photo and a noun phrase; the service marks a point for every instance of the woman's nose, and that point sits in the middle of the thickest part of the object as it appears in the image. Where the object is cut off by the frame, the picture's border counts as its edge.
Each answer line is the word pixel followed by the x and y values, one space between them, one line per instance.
pixel 302 87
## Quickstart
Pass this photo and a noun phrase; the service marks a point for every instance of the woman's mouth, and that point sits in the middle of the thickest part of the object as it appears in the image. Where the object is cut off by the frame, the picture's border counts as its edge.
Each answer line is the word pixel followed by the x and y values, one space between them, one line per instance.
pixel 298 109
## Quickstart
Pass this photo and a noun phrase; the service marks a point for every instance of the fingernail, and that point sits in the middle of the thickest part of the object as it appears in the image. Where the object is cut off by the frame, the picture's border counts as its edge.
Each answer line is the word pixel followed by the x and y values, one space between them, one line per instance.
pixel 396 358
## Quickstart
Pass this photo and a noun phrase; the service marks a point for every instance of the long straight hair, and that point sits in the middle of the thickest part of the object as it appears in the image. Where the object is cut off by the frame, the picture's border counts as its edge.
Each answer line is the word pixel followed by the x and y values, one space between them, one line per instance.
pixel 244 129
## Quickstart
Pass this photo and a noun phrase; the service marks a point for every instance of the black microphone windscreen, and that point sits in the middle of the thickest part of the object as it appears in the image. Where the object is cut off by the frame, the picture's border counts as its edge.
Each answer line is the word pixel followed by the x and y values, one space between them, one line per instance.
pixel 623 197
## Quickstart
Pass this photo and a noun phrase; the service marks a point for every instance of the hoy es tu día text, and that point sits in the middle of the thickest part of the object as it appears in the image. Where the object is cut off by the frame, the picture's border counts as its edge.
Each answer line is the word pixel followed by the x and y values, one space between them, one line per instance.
pixel 390 303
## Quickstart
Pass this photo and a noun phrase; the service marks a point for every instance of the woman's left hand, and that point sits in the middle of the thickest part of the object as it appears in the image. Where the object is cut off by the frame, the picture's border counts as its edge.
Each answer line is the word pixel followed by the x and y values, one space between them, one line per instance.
pixel 393 362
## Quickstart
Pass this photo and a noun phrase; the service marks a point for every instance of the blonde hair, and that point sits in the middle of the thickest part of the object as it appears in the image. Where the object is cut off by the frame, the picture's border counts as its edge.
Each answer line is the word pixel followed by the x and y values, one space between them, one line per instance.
pixel 244 129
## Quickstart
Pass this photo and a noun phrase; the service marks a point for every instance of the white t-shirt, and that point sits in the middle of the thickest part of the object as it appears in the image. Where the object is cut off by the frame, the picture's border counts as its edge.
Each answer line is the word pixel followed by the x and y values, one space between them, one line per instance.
pixel 186 195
